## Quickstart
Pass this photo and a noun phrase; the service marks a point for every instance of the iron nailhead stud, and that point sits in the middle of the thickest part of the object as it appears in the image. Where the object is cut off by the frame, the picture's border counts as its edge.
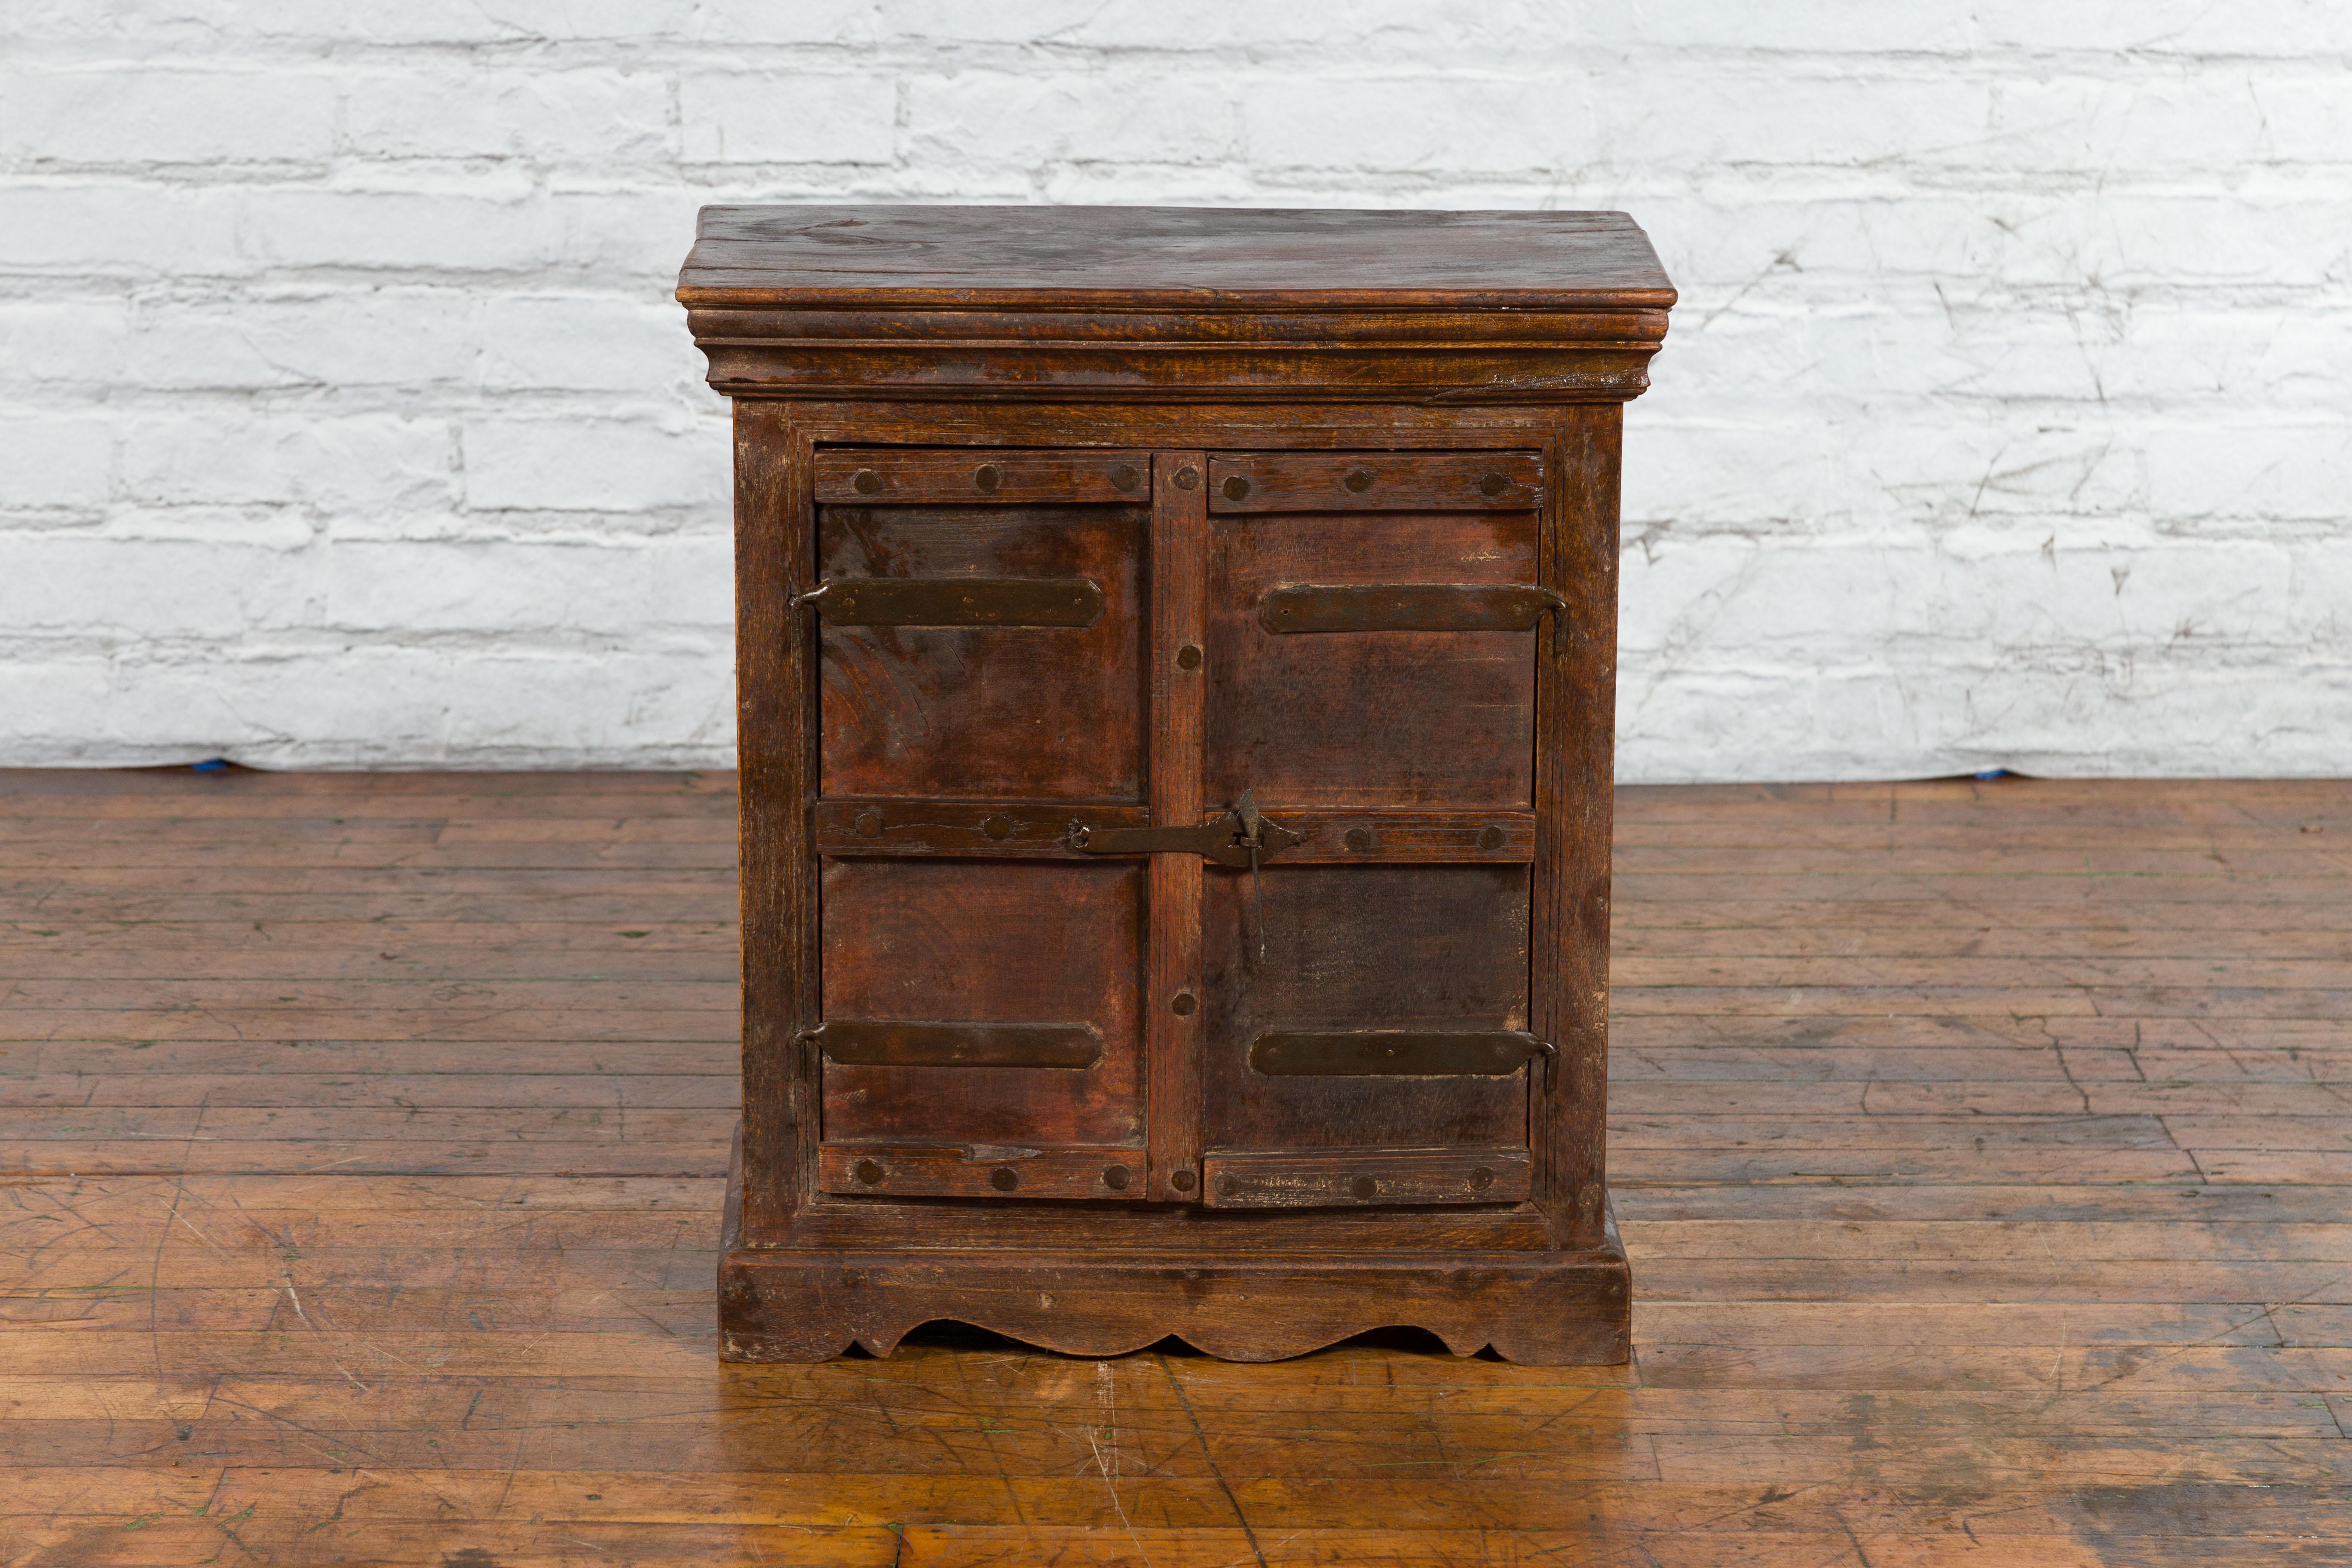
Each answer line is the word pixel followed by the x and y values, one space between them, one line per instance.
pixel 1492 485
pixel 868 1172
pixel 1188 657
pixel 1183 1004
pixel 1180 1179
pixel 1005 1178
pixel 1185 478
pixel 985 477
pixel 866 482
pixel 1364 1186
pixel 1236 488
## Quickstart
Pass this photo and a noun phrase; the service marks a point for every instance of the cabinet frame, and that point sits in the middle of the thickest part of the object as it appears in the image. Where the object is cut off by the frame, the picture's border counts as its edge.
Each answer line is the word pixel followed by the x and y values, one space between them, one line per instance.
pixel 805 1273
pixel 783 1202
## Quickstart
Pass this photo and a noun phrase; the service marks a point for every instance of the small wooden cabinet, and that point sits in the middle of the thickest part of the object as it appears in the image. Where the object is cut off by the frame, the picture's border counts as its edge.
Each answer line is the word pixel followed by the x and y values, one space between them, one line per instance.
pixel 1176 654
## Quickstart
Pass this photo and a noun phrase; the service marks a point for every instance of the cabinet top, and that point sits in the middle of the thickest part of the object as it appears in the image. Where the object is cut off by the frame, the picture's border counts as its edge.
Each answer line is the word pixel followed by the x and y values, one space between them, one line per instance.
pixel 1193 256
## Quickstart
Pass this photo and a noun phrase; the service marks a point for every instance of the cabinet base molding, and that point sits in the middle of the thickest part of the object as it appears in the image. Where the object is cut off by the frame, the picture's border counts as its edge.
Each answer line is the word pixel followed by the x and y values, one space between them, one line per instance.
pixel 1539 1309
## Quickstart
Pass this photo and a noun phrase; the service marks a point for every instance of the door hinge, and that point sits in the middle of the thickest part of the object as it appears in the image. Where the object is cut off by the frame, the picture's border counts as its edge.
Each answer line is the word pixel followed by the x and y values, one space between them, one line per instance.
pixel 1413 607
pixel 1075 602
pixel 1408 1053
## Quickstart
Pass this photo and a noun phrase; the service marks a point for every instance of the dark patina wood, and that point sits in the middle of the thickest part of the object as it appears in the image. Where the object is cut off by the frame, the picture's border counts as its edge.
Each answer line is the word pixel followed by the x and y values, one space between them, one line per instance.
pixel 1176 669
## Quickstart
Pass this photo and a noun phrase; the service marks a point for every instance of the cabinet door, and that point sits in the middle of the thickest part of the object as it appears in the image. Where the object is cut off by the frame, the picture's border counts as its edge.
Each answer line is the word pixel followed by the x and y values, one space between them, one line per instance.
pixel 981 623
pixel 1060 691
pixel 1371 627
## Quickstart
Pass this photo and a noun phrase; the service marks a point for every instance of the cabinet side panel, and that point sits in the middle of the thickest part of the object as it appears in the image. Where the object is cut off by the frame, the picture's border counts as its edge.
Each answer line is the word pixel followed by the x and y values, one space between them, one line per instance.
pixel 1576 706
pixel 776 751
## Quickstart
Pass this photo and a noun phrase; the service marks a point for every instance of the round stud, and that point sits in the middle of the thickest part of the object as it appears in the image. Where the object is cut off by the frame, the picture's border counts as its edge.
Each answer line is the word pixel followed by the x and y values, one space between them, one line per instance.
pixel 1481 1179
pixel 1235 486
pixel 1005 1178
pixel 1363 1187
pixel 1183 1004
pixel 1180 1179
pixel 868 1171
pixel 998 827
pixel 1491 837
pixel 1360 838
pixel 1358 481
pixel 866 482
pixel 1229 1185
pixel 869 825
pixel 1125 477
pixel 1492 485
pixel 1186 478
pixel 1188 657
pixel 1115 1177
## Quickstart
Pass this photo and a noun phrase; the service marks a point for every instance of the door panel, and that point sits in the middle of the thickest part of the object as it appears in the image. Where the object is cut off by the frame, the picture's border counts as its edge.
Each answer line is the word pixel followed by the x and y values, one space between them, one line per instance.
pixel 981 618
pixel 958 943
pixel 1368 719
pixel 1359 948
pixel 1027 710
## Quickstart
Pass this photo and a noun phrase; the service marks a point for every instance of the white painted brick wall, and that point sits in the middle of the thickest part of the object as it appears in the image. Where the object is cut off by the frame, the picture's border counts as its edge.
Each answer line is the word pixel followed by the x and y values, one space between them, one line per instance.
pixel 2007 419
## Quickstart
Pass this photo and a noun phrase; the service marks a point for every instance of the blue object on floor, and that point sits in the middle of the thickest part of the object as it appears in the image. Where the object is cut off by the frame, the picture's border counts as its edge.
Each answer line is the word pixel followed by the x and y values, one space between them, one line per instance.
pixel 220 765
pixel 1994 774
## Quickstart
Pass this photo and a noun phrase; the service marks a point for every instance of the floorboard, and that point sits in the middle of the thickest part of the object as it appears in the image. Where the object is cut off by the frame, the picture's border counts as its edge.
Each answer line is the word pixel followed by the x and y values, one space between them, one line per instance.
pixel 1981 1148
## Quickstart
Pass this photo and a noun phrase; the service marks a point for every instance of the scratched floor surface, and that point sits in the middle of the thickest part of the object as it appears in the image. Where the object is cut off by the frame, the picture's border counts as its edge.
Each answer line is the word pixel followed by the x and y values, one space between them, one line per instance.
pixel 1981 1149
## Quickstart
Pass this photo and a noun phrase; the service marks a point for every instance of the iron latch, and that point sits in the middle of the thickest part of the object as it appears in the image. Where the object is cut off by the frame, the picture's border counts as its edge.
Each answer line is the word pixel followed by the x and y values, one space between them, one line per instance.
pixel 1241 838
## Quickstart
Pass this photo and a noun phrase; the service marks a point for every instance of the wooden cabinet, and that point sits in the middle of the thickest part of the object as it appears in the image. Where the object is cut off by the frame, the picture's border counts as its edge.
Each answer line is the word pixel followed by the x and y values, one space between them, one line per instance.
pixel 1176 654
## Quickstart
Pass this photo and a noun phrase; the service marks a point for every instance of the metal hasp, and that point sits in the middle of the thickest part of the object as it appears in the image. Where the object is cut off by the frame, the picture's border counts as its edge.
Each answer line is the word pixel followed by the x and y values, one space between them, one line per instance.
pixel 1241 838
pixel 1052 602
pixel 1405 1053
pixel 896 1043
pixel 1409 607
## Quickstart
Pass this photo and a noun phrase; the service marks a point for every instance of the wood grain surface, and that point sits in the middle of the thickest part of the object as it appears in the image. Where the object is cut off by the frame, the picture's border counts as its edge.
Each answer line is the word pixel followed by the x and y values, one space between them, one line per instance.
pixel 1981 1150
pixel 1034 712
pixel 964 257
pixel 1163 305
pixel 1371 719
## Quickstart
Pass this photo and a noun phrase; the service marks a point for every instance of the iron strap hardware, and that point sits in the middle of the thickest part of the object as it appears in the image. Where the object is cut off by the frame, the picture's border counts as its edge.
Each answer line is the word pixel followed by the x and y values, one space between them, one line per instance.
pixel 1403 1053
pixel 1064 602
pixel 906 1043
pixel 1412 607
pixel 1240 839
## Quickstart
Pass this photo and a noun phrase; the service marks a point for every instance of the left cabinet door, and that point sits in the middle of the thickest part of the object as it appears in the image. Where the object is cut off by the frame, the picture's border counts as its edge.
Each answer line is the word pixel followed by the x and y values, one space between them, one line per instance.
pixel 983 617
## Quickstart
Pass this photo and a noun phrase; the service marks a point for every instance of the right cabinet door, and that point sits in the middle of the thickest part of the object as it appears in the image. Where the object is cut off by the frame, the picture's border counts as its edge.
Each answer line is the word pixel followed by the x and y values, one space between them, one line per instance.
pixel 1371 637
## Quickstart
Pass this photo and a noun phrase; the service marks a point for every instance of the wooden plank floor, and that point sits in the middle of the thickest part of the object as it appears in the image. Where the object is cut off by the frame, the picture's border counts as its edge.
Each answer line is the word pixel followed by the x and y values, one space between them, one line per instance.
pixel 1982 1151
